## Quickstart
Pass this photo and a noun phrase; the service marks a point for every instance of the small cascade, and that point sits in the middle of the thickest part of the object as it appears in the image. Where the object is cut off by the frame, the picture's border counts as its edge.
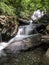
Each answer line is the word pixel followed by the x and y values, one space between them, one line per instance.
pixel 20 31
pixel 24 31
pixel 27 29
pixel 37 15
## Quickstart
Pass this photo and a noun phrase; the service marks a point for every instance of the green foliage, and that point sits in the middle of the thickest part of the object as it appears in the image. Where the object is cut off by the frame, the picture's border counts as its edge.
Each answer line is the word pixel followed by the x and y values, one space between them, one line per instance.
pixel 6 10
pixel 23 7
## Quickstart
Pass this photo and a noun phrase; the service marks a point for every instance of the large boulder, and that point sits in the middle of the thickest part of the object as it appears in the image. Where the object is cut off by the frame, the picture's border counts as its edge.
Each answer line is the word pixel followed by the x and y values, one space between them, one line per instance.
pixel 16 44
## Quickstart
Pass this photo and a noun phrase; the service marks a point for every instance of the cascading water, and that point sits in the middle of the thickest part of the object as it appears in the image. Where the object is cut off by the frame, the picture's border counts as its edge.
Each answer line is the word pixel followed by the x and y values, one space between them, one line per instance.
pixel 37 15
pixel 24 31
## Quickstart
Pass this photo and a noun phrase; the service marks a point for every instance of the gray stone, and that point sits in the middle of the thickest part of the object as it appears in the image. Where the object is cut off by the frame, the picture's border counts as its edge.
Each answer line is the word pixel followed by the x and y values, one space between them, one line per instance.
pixel 24 44
pixel 47 53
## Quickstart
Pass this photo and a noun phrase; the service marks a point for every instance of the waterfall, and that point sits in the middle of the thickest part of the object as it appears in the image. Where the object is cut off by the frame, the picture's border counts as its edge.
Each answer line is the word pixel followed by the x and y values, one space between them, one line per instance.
pixel 37 15
pixel 24 31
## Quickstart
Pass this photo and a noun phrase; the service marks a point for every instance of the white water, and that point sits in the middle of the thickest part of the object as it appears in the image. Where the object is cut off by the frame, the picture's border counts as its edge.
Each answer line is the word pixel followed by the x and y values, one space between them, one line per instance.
pixel 37 15
pixel 24 31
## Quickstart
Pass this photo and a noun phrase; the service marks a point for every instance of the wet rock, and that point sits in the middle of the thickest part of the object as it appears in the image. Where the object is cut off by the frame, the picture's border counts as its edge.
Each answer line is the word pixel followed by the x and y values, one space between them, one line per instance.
pixel 47 28
pixel 47 53
pixel 26 43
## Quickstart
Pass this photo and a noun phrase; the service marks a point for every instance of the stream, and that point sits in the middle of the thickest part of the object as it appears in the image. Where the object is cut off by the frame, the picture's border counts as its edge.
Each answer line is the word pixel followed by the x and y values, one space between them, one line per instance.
pixel 19 50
